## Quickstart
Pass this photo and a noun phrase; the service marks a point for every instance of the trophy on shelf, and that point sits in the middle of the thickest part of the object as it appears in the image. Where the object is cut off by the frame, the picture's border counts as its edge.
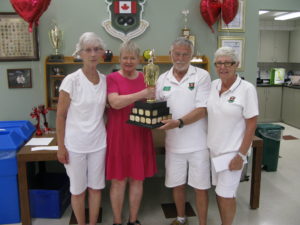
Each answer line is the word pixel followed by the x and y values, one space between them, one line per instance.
pixel 56 86
pixel 57 70
pixel 186 32
pixel 56 37
pixel 150 113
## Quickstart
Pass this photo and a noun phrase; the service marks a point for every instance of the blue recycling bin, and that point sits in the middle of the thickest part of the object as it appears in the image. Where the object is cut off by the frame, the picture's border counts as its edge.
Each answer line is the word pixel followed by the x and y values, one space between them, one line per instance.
pixel 10 143
pixel 23 127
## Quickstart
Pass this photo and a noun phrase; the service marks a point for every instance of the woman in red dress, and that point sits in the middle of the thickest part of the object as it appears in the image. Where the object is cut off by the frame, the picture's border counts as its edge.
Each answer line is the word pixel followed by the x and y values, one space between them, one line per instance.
pixel 130 154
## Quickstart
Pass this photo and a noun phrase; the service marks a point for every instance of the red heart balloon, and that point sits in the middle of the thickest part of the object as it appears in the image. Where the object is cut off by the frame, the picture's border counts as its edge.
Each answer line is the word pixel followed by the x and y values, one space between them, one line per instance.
pixel 210 11
pixel 30 10
pixel 229 10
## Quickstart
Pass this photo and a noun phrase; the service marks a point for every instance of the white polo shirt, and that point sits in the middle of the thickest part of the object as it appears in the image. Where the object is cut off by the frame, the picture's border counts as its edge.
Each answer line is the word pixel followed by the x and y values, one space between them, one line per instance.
pixel 227 114
pixel 85 130
pixel 183 97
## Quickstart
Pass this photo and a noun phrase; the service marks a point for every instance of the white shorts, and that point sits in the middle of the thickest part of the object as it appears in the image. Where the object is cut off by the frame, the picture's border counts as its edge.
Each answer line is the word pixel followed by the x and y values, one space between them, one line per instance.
pixel 226 182
pixel 195 165
pixel 86 170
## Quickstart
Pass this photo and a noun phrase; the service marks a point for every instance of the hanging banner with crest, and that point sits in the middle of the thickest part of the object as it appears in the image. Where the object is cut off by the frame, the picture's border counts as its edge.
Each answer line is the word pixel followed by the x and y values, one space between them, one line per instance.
pixel 125 19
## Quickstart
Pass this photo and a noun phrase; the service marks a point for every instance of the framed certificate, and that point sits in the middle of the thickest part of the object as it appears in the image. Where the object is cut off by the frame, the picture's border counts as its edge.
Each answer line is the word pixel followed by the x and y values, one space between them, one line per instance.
pixel 16 42
pixel 237 43
pixel 237 24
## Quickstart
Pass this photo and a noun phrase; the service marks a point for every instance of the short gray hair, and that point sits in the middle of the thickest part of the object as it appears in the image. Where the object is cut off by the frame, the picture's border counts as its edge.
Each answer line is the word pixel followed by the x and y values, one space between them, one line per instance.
pixel 88 38
pixel 183 41
pixel 130 47
pixel 227 51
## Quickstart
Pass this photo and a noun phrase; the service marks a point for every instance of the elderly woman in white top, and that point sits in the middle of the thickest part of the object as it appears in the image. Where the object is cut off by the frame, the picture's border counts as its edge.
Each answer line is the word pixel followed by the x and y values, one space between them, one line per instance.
pixel 80 128
pixel 232 115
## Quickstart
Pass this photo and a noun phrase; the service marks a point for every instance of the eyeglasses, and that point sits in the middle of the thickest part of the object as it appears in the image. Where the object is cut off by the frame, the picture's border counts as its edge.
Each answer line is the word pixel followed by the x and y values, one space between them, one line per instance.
pixel 96 49
pixel 226 64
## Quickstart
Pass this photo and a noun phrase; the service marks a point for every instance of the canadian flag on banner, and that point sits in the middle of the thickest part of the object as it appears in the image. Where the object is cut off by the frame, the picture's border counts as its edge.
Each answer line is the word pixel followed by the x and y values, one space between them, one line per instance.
pixel 125 7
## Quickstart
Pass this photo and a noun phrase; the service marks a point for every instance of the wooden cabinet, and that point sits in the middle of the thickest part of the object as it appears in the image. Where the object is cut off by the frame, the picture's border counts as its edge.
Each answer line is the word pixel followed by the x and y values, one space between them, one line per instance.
pixel 269 100
pixel 294 50
pixel 291 106
pixel 273 46
pixel 56 71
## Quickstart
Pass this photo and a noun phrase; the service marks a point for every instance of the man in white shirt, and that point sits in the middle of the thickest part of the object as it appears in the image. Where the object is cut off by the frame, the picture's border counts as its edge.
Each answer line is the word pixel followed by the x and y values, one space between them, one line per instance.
pixel 186 88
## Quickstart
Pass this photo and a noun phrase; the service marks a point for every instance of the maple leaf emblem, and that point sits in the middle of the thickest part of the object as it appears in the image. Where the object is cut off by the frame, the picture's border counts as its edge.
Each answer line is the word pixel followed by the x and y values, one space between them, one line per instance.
pixel 125 7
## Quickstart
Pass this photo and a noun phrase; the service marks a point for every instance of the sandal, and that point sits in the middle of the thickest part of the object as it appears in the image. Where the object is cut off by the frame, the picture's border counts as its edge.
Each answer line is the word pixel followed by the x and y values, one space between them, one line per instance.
pixel 134 223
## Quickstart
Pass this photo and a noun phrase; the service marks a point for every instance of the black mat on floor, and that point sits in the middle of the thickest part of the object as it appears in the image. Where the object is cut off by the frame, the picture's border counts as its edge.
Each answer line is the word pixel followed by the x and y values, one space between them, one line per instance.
pixel 289 137
pixel 169 210
pixel 74 221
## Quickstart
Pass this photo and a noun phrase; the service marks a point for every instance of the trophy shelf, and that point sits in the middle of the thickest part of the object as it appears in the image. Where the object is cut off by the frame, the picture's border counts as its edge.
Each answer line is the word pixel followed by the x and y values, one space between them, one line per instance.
pixel 54 72
pixel 162 59
pixel 57 76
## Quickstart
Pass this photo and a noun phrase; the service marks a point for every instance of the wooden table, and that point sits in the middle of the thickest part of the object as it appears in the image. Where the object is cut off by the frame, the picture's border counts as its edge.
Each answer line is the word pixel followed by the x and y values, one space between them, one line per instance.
pixel 257 145
pixel 25 155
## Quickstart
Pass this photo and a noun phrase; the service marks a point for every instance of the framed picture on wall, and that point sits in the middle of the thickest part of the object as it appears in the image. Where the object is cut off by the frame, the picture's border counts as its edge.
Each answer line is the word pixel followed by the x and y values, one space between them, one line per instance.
pixel 237 24
pixel 237 43
pixel 19 78
pixel 16 42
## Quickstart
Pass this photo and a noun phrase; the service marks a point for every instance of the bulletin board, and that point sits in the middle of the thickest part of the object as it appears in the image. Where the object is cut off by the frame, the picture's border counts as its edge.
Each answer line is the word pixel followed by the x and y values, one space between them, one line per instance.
pixel 16 42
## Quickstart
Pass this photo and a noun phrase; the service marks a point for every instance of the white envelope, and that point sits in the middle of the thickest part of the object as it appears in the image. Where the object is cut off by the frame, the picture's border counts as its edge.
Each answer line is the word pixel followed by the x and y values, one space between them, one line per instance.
pixel 221 162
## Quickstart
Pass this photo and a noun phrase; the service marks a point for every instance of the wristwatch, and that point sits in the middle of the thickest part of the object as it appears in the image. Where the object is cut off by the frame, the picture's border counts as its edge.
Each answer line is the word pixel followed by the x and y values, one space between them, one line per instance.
pixel 181 124
pixel 244 157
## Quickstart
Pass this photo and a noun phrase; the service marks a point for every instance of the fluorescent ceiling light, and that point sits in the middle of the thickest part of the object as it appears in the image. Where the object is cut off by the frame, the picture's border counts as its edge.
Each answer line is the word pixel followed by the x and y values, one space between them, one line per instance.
pixel 261 12
pixel 275 14
pixel 288 16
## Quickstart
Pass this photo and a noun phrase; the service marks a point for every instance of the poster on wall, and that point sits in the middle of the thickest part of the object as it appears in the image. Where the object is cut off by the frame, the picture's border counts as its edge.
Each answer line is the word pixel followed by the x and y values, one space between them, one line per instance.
pixel 237 43
pixel 16 42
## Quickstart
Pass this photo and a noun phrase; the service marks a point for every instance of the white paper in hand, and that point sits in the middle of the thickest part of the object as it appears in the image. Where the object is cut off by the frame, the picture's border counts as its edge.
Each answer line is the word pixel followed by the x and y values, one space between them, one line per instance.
pixel 221 162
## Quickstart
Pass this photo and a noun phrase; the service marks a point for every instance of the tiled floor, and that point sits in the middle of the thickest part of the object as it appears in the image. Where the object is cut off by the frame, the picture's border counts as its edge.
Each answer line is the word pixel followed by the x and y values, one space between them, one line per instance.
pixel 279 200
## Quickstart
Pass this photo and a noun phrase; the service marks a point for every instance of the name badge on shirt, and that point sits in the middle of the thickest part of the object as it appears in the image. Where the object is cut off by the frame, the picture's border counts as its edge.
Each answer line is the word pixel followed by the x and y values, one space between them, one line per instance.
pixel 231 99
pixel 166 88
pixel 191 86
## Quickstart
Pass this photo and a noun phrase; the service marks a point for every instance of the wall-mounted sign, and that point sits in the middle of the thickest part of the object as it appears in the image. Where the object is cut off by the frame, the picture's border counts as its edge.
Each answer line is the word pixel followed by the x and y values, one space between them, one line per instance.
pixel 125 19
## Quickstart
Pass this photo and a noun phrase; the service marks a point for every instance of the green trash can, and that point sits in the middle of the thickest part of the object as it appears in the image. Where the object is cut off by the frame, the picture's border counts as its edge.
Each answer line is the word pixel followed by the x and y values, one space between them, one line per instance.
pixel 271 135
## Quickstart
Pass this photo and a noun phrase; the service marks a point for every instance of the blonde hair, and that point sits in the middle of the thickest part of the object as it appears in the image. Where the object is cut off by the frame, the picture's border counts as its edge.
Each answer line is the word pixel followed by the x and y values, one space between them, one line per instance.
pixel 130 47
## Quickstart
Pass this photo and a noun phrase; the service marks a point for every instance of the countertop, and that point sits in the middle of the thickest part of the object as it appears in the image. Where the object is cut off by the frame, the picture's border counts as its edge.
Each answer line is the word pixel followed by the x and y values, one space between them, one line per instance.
pixel 269 85
pixel 278 85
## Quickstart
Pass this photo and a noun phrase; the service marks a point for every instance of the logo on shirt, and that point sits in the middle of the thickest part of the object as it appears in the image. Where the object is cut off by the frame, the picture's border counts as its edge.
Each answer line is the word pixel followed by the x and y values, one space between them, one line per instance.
pixel 166 88
pixel 231 99
pixel 191 86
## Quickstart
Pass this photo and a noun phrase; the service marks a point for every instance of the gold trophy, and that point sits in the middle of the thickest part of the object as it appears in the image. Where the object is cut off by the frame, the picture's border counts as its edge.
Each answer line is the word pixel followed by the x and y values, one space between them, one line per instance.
pixel 151 73
pixel 56 37
pixel 149 113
